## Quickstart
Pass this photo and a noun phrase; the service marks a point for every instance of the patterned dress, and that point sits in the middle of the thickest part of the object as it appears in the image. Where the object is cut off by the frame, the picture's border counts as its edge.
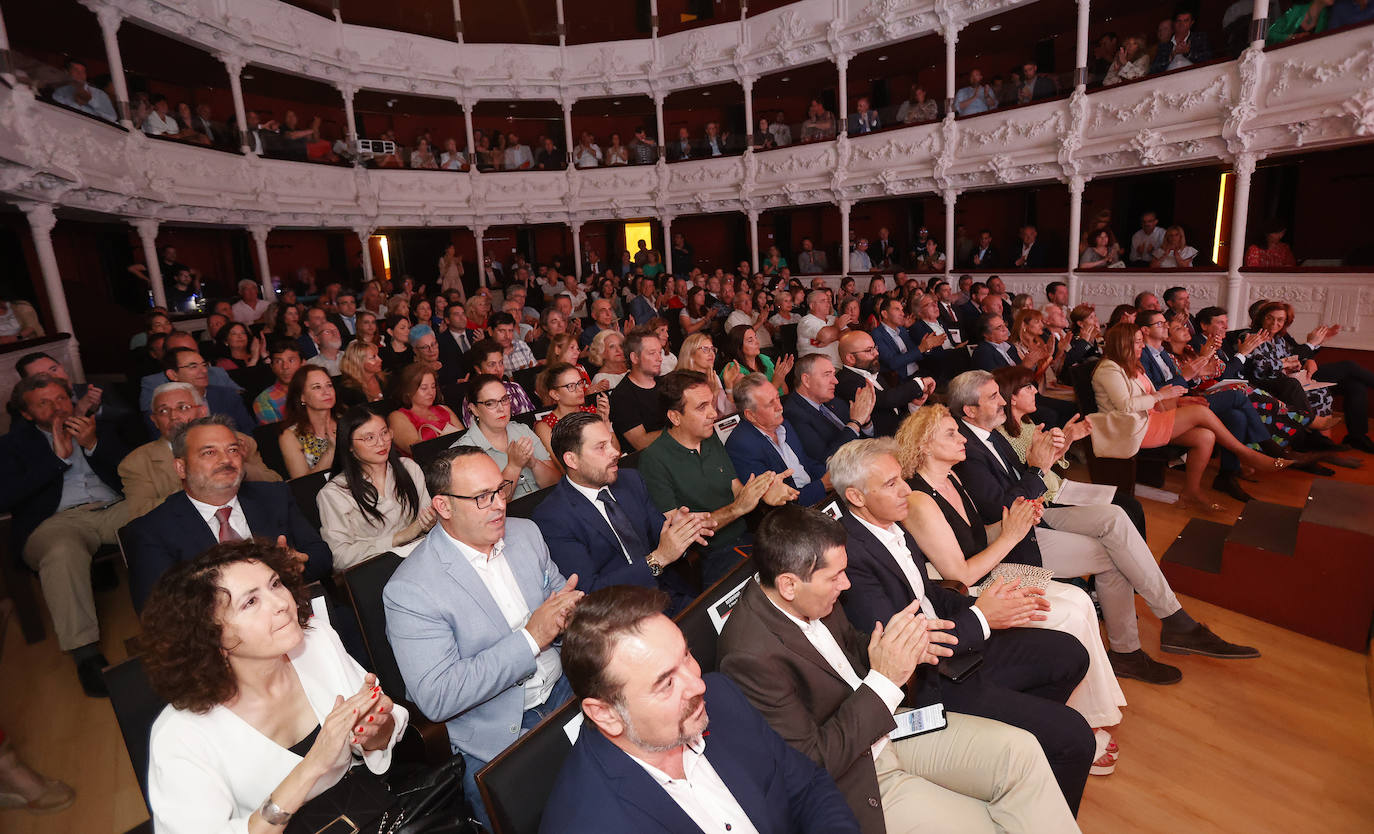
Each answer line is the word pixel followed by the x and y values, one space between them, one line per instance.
pixel 1267 363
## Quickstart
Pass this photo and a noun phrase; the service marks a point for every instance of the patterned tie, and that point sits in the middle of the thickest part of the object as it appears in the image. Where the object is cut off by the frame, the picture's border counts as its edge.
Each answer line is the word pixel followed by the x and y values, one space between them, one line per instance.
pixel 623 526
pixel 226 533
pixel 830 415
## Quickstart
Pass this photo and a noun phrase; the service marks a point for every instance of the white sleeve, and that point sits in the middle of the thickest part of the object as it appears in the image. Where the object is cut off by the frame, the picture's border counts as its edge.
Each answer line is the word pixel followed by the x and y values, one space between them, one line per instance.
pixel 187 793
pixel 377 761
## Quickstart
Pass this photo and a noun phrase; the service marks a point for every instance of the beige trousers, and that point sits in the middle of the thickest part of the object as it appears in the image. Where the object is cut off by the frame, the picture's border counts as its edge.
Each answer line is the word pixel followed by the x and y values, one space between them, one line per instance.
pixel 975 775
pixel 60 549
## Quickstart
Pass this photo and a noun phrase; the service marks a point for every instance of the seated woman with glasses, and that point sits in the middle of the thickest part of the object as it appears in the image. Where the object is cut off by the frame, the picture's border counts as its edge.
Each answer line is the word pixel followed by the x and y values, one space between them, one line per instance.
pixel 566 390
pixel 266 709
pixel 698 353
pixel 525 464
pixel 422 415
pixel 375 501
pixel 307 444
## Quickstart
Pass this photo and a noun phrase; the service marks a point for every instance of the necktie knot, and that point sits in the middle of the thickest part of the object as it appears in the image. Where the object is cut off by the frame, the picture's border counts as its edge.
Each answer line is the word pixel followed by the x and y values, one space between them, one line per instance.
pixel 226 532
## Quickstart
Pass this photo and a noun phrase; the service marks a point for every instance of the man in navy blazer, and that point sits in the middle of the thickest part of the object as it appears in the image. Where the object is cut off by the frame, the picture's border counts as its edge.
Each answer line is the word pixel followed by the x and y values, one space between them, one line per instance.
pixel 823 421
pixel 209 461
pixel 898 352
pixel 993 350
pixel 646 707
pixel 893 397
pixel 600 523
pixel 764 441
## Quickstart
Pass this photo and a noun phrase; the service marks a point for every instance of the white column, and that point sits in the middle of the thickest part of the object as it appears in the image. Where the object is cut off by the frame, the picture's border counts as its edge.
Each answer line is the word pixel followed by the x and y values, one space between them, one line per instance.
pixel 949 195
pixel 562 24
pixel 350 120
pixel 1259 25
pixel 1076 184
pixel 477 232
pixel 147 235
pixel 666 221
pixel 842 94
pixel 458 19
pixel 110 18
pixel 754 239
pixel 1080 71
pixel 951 38
pixel 577 246
pixel 467 126
pixel 567 127
pixel 658 122
pixel 1235 253
pixel 844 236
pixel 749 124
pixel 233 65
pixel 41 222
pixel 259 233
pixel 365 240
pixel 6 61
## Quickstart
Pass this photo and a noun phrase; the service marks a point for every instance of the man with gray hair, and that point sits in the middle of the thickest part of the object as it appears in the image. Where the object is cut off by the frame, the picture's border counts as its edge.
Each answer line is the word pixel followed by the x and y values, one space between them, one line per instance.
pixel 58 478
pixel 251 305
pixel 149 473
pixel 819 331
pixel 1098 539
pixel 765 441
pixel 824 421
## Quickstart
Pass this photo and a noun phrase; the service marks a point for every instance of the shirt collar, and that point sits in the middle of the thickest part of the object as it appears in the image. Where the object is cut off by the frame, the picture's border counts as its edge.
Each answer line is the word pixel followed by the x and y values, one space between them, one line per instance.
pixel 207 511
pixel 474 556
pixel 692 751
pixel 890 537
pixel 978 432
pixel 804 625
pixel 868 375
pixel 590 493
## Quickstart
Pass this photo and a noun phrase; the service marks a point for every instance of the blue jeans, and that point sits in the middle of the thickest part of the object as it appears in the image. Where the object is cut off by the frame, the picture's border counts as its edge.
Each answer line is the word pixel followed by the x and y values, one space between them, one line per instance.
pixel 560 695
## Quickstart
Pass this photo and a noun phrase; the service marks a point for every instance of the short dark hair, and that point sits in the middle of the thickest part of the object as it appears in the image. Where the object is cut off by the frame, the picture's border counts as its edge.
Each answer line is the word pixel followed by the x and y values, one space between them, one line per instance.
pixel 1052 287
pixel 567 433
pixel 634 340
pixel 672 388
pixel 985 323
pixel 594 631
pixel 481 350
pixel 793 539
pixel 28 359
pixel 498 319
pixel 1145 318
pixel 1139 298
pixel 1206 314
pixel 439 472
pixel 171 360
pixel 33 383
pixel 1172 293
pixel 181 637
pixel 281 345
pixel 178 438
pixel 885 302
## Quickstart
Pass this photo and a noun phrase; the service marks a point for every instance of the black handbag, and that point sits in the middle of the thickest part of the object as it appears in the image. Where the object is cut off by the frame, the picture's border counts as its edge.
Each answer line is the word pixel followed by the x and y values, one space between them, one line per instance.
pixel 351 806
pixel 363 803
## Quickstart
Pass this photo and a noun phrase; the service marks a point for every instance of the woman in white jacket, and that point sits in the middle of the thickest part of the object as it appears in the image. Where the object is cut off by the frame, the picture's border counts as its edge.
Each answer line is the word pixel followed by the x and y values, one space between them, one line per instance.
pixel 266 709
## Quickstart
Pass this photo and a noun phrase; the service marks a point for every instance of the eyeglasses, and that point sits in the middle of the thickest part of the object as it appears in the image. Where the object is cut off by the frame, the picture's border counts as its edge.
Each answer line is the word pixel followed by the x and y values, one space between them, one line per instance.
pixel 168 410
pixel 383 436
pixel 484 499
pixel 503 401
pixel 196 366
pixel 707 348
pixel 574 385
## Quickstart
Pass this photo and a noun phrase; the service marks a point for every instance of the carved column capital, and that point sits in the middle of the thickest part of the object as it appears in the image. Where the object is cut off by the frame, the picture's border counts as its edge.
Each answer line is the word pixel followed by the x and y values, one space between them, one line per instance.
pixel 106 15
pixel 259 233
pixel 232 63
pixel 40 216
pixel 147 227
pixel 1245 163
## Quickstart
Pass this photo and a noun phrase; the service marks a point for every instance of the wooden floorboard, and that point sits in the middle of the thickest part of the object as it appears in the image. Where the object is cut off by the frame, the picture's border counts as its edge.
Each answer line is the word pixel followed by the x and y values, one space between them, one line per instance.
pixel 1284 743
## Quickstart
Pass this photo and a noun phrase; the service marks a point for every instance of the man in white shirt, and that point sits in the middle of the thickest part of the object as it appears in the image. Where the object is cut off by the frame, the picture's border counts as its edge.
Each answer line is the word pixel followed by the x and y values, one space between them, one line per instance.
pixel 834 693
pixel 473 612
pixel 644 761
pixel 1148 238
pixel 80 95
pixel 858 257
pixel 250 307
pixel 328 338
pixel 160 122
pixel 518 156
pixel 818 331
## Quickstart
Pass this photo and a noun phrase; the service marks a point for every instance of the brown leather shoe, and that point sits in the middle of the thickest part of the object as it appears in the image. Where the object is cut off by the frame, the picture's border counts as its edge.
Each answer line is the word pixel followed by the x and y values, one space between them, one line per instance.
pixel 1202 641
pixel 1139 666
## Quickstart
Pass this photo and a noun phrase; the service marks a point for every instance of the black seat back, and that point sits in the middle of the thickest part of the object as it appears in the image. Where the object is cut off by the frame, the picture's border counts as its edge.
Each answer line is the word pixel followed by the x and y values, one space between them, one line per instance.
pixel 1083 387
pixel 305 489
pixel 426 451
pixel 136 707
pixel 702 621
pixel 787 339
pixel 515 786
pixel 266 436
pixel 523 507
pixel 365 582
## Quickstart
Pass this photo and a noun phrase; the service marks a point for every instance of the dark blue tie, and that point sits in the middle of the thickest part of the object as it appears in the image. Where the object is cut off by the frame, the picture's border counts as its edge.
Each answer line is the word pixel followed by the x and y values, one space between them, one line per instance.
pixel 623 526
pixel 830 415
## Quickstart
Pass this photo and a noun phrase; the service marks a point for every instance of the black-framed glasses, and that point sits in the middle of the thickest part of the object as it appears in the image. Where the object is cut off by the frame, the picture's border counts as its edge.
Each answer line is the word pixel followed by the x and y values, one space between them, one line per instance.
pixel 574 385
pixel 494 403
pixel 484 499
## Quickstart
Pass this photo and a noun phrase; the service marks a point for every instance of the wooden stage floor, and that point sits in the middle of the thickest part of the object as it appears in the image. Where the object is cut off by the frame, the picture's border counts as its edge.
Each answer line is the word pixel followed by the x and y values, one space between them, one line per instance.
pixel 1283 743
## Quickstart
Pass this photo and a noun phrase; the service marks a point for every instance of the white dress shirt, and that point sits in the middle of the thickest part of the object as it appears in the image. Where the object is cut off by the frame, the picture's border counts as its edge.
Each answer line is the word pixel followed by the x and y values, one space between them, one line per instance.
pixel 985 436
pixel 494 571
pixel 702 795
pixel 894 540
pixel 156 125
pixel 809 328
pixel 237 520
pixel 829 648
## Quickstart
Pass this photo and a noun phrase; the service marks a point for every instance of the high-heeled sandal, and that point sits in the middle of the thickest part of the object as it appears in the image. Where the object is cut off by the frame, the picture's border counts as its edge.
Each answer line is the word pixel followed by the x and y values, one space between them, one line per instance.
pixel 1198 505
pixel 1104 762
pixel 1099 735
pixel 1281 464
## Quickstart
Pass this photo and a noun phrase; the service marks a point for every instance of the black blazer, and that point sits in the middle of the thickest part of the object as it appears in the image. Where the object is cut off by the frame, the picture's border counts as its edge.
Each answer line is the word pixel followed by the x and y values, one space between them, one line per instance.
pixel 891 405
pixel 988 358
pixel 452 359
pixel 1036 258
pixel 819 437
pixel 991 486
pixel 175 532
pixel 31 474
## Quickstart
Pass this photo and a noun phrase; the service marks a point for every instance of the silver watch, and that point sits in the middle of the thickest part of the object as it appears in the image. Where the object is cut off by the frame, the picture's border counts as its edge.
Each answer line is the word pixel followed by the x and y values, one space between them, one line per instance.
pixel 272 814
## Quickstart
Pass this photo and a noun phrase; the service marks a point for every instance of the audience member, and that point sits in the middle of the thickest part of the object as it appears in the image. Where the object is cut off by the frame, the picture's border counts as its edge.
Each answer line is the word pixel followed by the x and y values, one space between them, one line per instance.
pixel 549 157
pixel 1033 86
pixel 1130 62
pixel 1103 252
pixel 1184 48
pixel 487 357
pixel 1174 252
pixel 217 650
pixel 918 109
pixel 819 331
pixel 894 396
pixel 1270 252
pixel 824 422
pixel 524 461
pixel 681 148
pixel 976 97
pixel 641 150
pixel 810 261
pixel 820 123
pixel 284 359
pixel 865 120
pixel 698 354
pixel 250 307
pixel 308 440
pixel 984 255
pixel 764 441
pixel 517 156
pixel 646 706
pixel 474 652
pixel 79 94
pixel 636 414
pixel 216 504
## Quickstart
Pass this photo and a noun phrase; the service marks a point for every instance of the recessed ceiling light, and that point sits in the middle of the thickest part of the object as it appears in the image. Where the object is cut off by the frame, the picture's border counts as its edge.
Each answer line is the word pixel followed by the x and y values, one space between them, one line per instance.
pixel 882 57
pixel 248 76
pixel 512 106
pixel 786 78
pixel 706 93
pixel 616 103
pixel 996 27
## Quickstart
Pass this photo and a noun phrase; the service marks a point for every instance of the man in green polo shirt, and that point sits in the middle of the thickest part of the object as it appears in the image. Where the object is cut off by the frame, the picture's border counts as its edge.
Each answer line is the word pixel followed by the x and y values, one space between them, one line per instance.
pixel 687 466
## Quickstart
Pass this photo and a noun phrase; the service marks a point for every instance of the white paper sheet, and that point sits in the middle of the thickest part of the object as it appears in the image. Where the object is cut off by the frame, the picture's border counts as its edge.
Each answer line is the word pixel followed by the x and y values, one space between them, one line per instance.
pixel 1080 494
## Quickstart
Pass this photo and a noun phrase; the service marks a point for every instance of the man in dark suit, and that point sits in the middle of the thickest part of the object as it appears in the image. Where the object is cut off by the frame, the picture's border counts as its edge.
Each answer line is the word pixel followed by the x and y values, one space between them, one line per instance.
pixel 894 397
pixel 833 693
pixel 454 344
pixel 993 350
pixel 823 421
pixel 186 365
pixel 1074 541
pixel 899 352
pixel 217 505
pixel 971 310
pixel 765 442
pixel 1032 254
pixel 984 255
pixel 59 478
pixel 1185 48
pixel 681 148
pixel 643 761
pixel 600 524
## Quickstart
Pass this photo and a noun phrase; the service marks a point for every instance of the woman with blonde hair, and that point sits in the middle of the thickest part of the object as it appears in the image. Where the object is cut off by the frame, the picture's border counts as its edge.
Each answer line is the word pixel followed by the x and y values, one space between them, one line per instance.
pixel 698 353
pixel 946 526
pixel 361 378
pixel 1174 252
pixel 607 354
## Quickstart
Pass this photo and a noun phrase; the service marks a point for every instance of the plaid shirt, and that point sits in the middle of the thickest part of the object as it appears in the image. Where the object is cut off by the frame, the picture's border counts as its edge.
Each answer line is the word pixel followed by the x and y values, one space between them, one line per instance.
pixel 519 358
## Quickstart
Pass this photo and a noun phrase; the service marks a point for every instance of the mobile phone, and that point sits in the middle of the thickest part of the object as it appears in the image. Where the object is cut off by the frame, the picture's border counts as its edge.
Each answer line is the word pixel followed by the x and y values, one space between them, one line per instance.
pixel 918 721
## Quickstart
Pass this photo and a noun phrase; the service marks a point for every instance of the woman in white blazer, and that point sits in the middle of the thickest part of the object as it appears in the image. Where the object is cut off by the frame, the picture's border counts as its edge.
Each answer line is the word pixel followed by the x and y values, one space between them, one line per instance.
pixel 266 709
pixel 1132 415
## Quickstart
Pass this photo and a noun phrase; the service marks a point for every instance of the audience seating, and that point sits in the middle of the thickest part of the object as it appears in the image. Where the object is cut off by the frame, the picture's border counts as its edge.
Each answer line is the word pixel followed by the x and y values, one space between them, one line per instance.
pixel 19 582
pixel 698 620
pixel 424 452
pixel 304 489
pixel 1147 467
pixel 523 507
pixel 136 707
pixel 266 436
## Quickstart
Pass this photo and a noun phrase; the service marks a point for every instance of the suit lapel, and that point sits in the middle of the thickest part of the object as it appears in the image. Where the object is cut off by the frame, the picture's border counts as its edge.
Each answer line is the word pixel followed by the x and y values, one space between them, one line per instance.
pixel 466 578
pixel 192 524
pixel 742 782
pixel 257 513
pixel 635 785
pixel 869 542
pixel 591 518
pixel 786 631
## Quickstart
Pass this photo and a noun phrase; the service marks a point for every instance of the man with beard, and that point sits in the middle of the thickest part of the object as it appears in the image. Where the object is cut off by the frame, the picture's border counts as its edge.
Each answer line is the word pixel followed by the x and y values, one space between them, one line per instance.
pixel 644 761
pixel 600 524
pixel 895 399
pixel 217 505
pixel 149 473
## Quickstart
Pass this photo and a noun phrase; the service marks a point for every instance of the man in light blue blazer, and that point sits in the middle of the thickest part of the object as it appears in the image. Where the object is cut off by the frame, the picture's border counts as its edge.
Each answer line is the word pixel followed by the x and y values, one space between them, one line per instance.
pixel 473 613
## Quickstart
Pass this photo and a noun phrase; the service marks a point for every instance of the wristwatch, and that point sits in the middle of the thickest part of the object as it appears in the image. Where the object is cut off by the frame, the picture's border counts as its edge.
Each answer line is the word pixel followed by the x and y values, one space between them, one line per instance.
pixel 272 814
pixel 654 567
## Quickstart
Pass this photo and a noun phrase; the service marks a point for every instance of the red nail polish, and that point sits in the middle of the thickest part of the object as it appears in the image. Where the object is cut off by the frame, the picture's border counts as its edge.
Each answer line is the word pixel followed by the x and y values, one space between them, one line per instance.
pixel 359 729
pixel 369 719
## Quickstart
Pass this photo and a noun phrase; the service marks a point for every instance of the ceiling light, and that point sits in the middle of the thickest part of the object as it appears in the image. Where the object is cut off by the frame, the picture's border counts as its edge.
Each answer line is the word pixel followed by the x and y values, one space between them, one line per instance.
pixel 996 27
pixel 882 57
pixel 706 93
pixel 511 106
pixel 786 78
pixel 248 76
pixel 616 103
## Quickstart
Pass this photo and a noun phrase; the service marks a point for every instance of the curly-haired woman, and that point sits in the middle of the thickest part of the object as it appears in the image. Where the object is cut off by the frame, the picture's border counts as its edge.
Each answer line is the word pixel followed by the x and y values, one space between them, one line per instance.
pixel 266 709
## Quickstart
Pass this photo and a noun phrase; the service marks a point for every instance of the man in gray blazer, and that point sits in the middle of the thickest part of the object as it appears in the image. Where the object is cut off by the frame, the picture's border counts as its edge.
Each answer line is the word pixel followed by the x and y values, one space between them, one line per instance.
pixel 473 613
